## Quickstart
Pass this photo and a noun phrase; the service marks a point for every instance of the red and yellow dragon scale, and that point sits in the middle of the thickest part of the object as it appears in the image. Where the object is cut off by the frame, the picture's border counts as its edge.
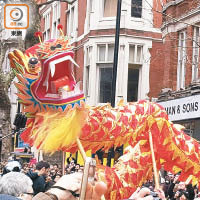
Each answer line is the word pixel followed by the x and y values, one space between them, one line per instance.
pixel 57 114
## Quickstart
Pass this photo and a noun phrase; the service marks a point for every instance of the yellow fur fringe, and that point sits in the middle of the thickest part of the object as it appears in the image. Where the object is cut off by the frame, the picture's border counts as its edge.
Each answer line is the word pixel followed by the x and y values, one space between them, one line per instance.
pixel 53 130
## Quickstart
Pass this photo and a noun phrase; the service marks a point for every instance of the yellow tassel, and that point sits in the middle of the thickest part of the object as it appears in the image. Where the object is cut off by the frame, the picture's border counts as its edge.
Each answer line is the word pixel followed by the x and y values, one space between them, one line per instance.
pixel 55 130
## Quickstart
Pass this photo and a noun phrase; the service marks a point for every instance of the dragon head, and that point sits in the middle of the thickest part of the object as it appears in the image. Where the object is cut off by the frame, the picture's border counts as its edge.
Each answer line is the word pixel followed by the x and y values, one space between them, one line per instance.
pixel 46 74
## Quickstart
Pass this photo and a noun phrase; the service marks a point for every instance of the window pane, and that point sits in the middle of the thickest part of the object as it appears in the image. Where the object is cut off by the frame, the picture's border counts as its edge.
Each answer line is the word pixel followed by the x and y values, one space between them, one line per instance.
pixel 91 6
pixel 68 24
pixel 48 21
pixel 54 28
pixel 136 8
pixel 105 77
pixel 139 54
pixel 110 8
pixel 110 52
pixel 87 57
pixel 72 20
pixel 102 52
pixel 48 34
pixel 58 10
pixel 44 36
pixel 181 61
pixel 55 12
pixel 197 35
pixel 87 80
pixel 181 46
pixel 132 54
pixel 195 53
pixel 133 77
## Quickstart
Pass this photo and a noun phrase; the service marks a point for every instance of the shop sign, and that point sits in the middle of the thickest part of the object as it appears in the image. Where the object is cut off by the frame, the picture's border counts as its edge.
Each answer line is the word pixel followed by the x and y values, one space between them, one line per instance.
pixel 184 108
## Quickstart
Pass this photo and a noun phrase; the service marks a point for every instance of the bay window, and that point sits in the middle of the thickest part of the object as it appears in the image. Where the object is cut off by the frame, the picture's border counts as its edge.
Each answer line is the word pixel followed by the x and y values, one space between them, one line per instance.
pixel 195 57
pixel 104 70
pixel 181 60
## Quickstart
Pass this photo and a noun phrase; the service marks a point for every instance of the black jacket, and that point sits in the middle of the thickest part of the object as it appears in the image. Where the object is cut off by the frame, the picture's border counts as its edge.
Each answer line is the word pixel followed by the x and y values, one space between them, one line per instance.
pixel 189 190
pixel 39 183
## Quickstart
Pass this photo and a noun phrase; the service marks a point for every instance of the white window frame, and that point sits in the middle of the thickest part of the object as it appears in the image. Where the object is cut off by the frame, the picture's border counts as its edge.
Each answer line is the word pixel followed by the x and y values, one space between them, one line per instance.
pixel 101 64
pixel 72 25
pixel 88 59
pixel 137 65
pixel 90 7
pixel 141 11
pixel 181 68
pixel 56 19
pixel 195 53
pixel 102 12
pixel 135 54
pixel 47 22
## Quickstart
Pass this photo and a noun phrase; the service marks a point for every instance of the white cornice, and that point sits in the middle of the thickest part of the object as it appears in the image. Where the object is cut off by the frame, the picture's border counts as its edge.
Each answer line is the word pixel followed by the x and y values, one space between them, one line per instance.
pixel 171 3
pixel 191 18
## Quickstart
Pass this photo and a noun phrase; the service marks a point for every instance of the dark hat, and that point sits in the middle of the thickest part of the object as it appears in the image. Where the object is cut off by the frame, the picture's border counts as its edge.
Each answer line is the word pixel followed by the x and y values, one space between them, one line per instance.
pixel 7 197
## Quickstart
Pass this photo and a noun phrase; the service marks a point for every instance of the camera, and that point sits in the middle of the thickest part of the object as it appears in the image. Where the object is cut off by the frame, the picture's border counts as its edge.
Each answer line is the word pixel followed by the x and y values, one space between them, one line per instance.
pixel 180 193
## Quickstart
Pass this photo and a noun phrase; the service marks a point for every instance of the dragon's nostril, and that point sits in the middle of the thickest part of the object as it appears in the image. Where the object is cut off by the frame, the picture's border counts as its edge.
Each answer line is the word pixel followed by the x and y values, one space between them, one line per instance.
pixel 33 61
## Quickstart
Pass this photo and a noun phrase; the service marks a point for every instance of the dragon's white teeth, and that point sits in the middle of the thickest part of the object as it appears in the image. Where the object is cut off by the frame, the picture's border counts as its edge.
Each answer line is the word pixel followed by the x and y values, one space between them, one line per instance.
pixel 77 87
pixel 46 84
pixel 52 67
pixel 73 61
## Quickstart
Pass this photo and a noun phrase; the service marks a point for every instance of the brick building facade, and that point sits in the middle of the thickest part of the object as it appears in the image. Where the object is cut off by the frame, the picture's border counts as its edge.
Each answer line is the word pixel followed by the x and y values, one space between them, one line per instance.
pixel 181 86
pixel 91 26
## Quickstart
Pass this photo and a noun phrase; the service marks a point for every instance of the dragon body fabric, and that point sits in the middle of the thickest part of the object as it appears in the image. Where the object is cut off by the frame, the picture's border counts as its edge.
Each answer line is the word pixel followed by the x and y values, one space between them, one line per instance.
pixel 57 114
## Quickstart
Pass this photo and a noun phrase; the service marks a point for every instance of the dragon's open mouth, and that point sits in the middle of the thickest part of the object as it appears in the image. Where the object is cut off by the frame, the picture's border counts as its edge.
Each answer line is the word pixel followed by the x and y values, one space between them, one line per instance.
pixel 56 83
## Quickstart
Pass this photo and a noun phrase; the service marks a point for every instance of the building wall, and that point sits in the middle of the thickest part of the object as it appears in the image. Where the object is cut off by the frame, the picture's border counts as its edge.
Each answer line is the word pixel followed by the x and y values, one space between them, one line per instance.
pixel 157 8
pixel 170 59
pixel 79 57
pixel 156 68
pixel 178 8
pixel 187 15
pixel 92 29
pixel 181 45
pixel 82 6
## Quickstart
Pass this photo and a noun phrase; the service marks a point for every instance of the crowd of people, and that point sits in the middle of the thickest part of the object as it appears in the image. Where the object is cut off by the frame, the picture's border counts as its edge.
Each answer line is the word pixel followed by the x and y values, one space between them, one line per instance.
pixel 46 182
pixel 43 182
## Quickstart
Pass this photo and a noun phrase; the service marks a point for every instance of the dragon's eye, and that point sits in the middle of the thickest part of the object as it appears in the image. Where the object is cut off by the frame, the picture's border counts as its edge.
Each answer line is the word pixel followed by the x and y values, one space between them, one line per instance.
pixel 52 48
pixel 33 61
pixel 58 46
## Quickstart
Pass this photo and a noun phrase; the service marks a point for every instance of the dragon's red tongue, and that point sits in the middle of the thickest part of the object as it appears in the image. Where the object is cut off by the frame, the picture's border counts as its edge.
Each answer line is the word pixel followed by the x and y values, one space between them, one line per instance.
pixel 60 83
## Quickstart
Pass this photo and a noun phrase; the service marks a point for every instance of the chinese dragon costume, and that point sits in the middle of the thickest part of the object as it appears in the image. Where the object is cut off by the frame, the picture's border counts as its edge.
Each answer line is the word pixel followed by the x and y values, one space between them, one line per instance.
pixel 57 114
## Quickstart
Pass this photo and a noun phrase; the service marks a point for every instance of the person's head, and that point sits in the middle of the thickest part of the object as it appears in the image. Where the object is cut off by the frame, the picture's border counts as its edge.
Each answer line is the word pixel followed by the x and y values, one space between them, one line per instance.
pixel 43 167
pixel 16 184
pixel 55 166
pixel 72 162
pixel 12 166
pixel 181 186
pixel 52 172
pixel 58 176
pixel 68 170
pixel 77 167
